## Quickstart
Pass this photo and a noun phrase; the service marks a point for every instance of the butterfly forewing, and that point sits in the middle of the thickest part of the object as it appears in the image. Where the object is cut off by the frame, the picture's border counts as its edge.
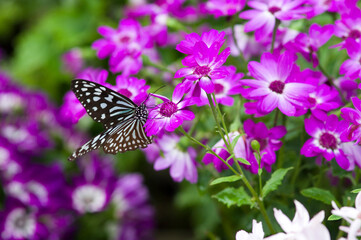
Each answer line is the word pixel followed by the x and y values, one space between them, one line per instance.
pixel 130 136
pixel 124 120
pixel 103 104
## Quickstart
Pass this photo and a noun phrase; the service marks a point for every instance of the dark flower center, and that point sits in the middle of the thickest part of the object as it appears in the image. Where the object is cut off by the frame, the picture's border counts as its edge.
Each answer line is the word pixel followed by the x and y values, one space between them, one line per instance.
pixel 202 70
pixel 124 39
pixel 273 9
pixel 218 88
pixel 328 141
pixel 312 101
pixel 168 108
pixel 277 86
pixel 20 223
pixel 355 34
pixel 125 92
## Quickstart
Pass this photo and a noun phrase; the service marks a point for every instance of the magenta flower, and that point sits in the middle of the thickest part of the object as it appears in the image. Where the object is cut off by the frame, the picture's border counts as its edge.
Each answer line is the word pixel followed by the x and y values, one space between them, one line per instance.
pixel 73 61
pixel 274 84
pixel 131 87
pixel 353 117
pixel 205 66
pixel 209 38
pixel 224 88
pixel 325 141
pixel 171 113
pixel 351 67
pixel 224 7
pixel 353 153
pixel 182 163
pixel 264 14
pixel 347 86
pixel 123 45
pixel 349 26
pixel 308 45
pixel 323 100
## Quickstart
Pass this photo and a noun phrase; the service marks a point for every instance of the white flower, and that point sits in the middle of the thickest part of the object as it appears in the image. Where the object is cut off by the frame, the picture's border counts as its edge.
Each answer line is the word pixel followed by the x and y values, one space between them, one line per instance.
pixel 301 227
pixel 352 216
pixel 257 232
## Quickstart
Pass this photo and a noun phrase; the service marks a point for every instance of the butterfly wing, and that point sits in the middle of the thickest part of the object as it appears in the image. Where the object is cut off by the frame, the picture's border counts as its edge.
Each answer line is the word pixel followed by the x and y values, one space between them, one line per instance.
pixel 103 104
pixel 130 136
pixel 91 145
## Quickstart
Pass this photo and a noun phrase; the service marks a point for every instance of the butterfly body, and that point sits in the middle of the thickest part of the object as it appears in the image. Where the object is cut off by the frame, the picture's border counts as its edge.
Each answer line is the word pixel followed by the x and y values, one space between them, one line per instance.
pixel 122 118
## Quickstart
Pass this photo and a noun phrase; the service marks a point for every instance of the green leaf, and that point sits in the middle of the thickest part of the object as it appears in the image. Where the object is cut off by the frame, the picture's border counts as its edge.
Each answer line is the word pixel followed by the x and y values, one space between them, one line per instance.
pixel 233 196
pixel 232 178
pixel 356 190
pixel 274 181
pixel 333 218
pixel 319 194
pixel 242 160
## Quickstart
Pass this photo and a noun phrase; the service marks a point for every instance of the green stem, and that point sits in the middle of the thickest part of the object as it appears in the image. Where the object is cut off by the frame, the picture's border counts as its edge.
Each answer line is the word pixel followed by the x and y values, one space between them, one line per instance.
pixel 159 66
pixel 274 34
pixel 276 117
pixel 244 179
pixel 214 112
pixel 208 149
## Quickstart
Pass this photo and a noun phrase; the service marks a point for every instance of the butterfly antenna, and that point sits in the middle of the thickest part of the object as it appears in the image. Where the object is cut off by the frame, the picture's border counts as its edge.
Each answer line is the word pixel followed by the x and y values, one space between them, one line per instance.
pixel 153 93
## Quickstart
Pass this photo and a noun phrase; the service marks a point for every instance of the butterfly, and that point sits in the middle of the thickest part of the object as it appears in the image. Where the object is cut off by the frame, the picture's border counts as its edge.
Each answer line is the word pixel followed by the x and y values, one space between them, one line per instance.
pixel 122 119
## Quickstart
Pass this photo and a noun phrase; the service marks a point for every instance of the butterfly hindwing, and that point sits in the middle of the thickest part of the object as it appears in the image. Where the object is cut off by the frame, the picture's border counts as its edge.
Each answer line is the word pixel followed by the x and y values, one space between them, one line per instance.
pixel 92 144
pixel 103 104
pixel 129 137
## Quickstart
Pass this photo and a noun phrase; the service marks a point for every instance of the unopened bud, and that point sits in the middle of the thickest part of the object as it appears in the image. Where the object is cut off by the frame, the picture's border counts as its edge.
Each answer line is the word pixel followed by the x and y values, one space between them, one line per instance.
pixel 255 145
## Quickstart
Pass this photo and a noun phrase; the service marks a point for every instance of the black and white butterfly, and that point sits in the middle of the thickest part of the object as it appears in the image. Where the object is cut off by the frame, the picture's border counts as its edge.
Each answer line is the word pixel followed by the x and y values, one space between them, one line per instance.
pixel 122 118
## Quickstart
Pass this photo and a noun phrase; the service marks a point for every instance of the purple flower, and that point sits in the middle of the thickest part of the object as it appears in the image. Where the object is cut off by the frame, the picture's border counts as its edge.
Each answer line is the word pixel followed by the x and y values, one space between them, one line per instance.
pixel 224 87
pixel 92 190
pixel 10 161
pixel 170 114
pixel 224 7
pixel 353 153
pixel 308 45
pixel 12 100
pixel 351 67
pixel 28 137
pixel 131 202
pixel 264 14
pixel 274 84
pixel 353 117
pixel 123 45
pixel 205 66
pixel 182 163
pixel 325 141
pixel 268 140
pixel 39 190
pixel 73 61
pixel 18 222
